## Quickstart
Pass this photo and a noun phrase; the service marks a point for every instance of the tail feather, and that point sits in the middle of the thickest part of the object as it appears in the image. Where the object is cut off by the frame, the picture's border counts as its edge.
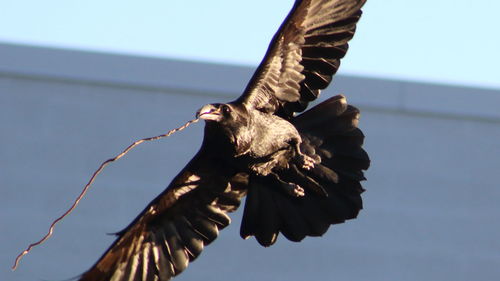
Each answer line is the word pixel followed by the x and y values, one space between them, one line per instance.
pixel 333 191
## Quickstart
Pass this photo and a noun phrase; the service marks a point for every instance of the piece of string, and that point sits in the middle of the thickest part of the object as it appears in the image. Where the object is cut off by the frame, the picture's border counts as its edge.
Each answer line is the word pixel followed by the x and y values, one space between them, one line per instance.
pixel 87 186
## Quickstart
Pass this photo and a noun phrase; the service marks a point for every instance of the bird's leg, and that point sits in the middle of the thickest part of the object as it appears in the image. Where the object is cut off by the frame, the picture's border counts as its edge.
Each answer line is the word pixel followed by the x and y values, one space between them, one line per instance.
pixel 305 161
pixel 290 188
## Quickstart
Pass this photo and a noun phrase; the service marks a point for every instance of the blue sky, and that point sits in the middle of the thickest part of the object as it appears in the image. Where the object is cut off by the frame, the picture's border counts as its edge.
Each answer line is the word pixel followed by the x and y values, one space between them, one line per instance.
pixel 443 41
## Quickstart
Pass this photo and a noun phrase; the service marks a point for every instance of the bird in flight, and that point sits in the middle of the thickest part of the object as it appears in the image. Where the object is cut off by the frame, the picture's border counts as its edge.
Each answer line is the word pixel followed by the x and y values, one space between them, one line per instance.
pixel 300 173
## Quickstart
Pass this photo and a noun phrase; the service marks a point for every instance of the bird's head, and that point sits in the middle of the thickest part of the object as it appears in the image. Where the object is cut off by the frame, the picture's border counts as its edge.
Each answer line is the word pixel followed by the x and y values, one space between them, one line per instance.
pixel 224 114
pixel 227 120
pixel 216 112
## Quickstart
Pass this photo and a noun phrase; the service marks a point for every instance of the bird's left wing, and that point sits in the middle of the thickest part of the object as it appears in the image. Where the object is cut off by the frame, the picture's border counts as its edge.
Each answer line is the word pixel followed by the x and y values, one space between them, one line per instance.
pixel 303 56
pixel 174 227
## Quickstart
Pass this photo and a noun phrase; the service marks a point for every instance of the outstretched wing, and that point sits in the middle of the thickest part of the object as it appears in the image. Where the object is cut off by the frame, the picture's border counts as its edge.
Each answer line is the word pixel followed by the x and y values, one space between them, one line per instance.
pixel 303 56
pixel 175 226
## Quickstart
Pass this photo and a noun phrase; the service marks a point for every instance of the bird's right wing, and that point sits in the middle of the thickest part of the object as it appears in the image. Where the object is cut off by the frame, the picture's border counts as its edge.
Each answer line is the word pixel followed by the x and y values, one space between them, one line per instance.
pixel 174 227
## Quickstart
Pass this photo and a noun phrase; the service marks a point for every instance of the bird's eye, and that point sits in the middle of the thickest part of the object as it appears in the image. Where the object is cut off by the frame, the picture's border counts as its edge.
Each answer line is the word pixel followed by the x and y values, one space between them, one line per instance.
pixel 226 109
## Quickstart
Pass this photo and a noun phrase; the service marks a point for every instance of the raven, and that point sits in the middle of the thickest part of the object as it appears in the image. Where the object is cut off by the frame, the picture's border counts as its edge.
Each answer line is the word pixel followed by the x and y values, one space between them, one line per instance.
pixel 299 173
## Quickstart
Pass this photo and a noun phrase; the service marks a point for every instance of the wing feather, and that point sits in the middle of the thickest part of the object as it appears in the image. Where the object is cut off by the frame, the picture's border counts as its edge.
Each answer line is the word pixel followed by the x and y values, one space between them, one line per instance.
pixel 175 227
pixel 303 56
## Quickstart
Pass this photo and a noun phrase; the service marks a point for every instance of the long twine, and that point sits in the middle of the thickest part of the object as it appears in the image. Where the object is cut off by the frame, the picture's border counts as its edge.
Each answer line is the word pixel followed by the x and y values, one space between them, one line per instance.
pixel 87 186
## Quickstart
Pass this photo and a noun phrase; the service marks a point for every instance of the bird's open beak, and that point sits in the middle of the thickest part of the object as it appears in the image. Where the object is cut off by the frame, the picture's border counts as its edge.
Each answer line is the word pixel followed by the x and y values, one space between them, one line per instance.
pixel 209 112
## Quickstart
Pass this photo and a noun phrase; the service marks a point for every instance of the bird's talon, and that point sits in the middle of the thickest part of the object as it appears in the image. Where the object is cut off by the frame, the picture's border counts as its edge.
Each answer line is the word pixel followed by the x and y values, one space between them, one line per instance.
pixel 295 190
pixel 307 162
pixel 299 191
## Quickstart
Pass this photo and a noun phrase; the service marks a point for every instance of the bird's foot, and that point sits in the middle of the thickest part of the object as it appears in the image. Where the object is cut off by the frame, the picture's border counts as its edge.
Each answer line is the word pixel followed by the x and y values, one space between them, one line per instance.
pixel 306 162
pixel 294 189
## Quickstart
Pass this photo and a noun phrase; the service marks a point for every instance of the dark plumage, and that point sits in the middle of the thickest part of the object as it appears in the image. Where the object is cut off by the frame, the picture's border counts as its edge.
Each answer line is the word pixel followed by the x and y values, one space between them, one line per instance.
pixel 300 173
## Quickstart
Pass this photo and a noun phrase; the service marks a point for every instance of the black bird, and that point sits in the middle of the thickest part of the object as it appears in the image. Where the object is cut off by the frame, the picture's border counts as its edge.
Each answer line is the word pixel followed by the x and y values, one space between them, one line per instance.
pixel 300 173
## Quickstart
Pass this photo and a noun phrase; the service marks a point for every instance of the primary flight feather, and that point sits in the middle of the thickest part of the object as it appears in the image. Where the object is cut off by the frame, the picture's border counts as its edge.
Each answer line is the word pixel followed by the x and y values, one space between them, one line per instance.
pixel 300 173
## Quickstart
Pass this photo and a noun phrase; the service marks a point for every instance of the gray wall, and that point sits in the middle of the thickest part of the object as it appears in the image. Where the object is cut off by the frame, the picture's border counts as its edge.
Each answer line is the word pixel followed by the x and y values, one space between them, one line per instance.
pixel 431 205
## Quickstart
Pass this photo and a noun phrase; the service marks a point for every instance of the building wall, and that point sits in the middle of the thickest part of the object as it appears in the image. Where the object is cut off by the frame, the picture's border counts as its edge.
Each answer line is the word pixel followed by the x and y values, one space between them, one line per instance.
pixel 431 205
